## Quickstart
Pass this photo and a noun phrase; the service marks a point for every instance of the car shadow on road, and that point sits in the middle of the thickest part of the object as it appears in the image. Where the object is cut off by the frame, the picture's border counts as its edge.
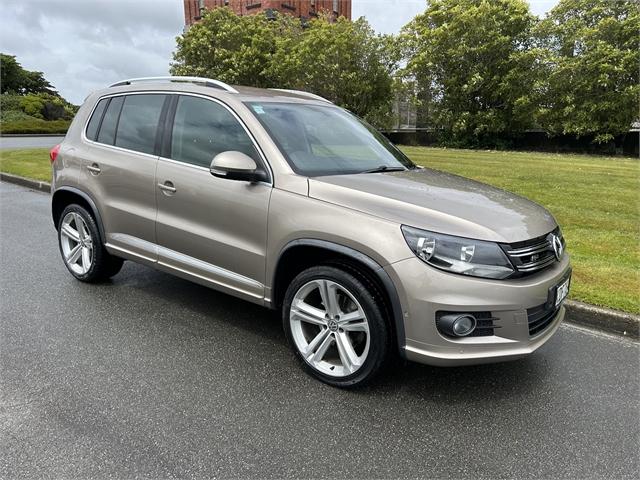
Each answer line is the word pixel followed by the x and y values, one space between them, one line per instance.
pixel 209 310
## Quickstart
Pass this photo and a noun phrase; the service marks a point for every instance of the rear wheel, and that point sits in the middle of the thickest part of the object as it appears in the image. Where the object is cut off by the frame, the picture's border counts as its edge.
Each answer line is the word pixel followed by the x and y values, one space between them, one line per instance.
pixel 82 251
pixel 335 326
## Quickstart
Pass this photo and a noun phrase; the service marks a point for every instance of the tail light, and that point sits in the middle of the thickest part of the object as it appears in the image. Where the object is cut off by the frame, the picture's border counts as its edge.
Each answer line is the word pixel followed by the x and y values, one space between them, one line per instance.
pixel 53 153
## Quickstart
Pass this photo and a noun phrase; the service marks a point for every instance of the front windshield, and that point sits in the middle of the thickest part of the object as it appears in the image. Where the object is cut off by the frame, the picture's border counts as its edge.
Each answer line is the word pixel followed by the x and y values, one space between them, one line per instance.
pixel 326 140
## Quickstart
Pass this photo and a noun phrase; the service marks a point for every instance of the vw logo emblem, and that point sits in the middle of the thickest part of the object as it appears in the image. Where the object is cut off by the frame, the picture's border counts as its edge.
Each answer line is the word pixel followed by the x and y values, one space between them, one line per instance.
pixel 556 243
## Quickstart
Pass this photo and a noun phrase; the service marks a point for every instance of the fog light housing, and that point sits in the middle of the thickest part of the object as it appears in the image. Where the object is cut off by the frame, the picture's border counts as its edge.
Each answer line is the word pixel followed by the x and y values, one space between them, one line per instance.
pixel 457 324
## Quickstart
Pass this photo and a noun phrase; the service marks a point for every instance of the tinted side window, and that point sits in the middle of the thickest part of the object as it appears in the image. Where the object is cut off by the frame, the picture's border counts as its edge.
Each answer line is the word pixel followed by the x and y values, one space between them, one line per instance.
pixel 107 132
pixel 94 123
pixel 203 128
pixel 138 123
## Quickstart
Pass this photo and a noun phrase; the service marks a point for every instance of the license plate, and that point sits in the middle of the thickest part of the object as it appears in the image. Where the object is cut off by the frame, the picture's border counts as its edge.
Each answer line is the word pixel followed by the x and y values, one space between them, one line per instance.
pixel 562 291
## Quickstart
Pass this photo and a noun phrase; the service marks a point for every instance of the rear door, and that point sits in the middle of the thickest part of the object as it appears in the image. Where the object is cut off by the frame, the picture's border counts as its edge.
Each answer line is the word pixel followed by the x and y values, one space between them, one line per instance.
pixel 120 167
pixel 210 228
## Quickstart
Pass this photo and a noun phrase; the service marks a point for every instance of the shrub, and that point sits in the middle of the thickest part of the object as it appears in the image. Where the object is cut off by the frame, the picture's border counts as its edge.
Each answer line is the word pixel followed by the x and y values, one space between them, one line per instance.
pixel 32 105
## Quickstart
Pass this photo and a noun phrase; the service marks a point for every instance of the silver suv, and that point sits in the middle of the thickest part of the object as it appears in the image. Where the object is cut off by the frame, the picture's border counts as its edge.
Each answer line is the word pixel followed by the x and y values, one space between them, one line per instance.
pixel 283 199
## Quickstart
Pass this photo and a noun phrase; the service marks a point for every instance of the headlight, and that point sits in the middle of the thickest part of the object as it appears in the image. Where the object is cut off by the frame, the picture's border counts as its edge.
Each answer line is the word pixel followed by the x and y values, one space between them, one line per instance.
pixel 475 258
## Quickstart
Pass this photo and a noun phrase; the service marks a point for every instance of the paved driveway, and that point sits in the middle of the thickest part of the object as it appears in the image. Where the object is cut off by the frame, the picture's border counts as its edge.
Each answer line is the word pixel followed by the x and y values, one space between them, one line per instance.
pixel 29 142
pixel 152 376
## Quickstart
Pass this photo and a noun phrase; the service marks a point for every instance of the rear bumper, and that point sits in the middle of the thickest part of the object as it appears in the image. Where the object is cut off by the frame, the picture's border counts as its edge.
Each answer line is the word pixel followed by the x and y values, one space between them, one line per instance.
pixel 424 291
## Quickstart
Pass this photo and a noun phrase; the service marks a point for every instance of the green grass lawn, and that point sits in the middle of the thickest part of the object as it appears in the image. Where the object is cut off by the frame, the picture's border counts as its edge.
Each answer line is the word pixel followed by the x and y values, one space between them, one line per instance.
pixel 30 163
pixel 595 199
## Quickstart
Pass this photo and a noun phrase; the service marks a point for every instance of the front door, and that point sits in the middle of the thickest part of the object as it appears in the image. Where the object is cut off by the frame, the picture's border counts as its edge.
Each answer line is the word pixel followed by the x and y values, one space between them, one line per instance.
pixel 211 229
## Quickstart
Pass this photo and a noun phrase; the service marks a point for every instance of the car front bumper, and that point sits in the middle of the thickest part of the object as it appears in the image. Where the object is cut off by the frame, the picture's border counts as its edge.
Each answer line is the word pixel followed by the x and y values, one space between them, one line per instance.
pixel 424 291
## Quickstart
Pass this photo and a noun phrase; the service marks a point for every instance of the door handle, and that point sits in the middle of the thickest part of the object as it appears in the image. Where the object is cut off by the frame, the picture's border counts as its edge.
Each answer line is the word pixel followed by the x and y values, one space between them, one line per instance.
pixel 94 169
pixel 167 187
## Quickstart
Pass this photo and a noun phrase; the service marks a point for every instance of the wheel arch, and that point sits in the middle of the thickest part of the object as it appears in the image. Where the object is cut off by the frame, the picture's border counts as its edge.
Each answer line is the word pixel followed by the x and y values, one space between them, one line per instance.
pixel 300 254
pixel 65 196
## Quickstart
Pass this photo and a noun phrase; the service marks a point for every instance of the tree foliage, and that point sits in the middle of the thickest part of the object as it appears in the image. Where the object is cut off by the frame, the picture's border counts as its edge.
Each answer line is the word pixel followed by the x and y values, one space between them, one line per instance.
pixel 344 61
pixel 472 63
pixel 14 78
pixel 480 71
pixel 592 57
pixel 231 48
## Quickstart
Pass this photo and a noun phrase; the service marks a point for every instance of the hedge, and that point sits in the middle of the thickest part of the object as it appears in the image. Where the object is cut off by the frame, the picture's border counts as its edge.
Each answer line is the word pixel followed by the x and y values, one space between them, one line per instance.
pixel 35 125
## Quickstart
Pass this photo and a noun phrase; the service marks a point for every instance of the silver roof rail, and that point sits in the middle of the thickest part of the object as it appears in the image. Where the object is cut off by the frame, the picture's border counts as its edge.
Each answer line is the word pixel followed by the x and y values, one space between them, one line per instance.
pixel 204 81
pixel 303 94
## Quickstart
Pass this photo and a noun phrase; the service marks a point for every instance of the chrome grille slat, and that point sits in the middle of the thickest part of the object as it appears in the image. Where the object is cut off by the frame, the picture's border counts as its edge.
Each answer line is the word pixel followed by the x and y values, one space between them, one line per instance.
pixel 533 266
pixel 533 255
pixel 523 252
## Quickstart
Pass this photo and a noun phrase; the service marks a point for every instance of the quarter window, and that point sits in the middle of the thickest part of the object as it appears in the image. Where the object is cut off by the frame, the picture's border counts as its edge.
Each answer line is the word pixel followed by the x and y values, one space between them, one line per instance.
pixel 94 123
pixel 203 128
pixel 107 132
pixel 138 125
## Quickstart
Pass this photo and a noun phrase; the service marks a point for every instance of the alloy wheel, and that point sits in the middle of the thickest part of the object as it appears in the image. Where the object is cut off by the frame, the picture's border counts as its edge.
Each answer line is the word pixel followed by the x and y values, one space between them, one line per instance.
pixel 76 242
pixel 329 328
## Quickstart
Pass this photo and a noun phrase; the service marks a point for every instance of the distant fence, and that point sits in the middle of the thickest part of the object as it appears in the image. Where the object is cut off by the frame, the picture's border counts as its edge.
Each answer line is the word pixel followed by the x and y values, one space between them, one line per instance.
pixel 537 141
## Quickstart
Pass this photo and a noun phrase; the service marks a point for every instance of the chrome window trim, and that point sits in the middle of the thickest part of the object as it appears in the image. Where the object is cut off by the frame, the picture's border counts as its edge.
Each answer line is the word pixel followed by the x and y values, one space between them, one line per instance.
pixel 161 92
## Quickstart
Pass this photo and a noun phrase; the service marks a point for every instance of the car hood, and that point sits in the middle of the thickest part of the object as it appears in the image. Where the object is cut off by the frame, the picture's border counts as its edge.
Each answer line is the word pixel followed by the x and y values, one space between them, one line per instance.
pixel 437 201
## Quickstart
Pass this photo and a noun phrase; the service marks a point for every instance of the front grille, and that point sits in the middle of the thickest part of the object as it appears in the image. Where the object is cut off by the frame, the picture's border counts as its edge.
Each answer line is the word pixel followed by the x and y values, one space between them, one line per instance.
pixel 531 256
pixel 540 317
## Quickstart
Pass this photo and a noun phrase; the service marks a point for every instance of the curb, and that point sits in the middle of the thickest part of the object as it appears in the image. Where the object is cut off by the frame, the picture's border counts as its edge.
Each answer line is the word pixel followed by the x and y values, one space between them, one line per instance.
pixel 605 319
pixel 26 135
pixel 26 182
pixel 577 313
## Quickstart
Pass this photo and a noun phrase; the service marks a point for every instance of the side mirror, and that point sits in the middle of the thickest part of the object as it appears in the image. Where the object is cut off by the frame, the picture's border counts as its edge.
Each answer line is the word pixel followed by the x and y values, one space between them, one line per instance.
pixel 234 165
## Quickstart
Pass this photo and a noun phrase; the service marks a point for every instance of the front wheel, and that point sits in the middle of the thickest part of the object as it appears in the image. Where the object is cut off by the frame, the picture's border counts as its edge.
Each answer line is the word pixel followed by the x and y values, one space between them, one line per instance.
pixel 335 325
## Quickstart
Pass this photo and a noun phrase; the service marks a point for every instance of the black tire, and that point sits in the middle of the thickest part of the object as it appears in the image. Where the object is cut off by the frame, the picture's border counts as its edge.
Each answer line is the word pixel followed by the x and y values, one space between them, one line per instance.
pixel 104 265
pixel 369 299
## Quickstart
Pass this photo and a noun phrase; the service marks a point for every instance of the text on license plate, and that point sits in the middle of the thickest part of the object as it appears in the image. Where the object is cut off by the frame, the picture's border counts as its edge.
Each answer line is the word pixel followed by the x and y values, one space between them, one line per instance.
pixel 562 291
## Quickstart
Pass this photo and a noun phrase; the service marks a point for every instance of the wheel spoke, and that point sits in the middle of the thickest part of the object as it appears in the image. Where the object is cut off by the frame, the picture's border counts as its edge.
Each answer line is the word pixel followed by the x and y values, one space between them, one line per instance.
pixel 329 294
pixel 74 254
pixel 86 258
pixel 80 225
pixel 318 346
pixel 347 354
pixel 351 317
pixel 357 326
pixel 306 313
pixel 70 233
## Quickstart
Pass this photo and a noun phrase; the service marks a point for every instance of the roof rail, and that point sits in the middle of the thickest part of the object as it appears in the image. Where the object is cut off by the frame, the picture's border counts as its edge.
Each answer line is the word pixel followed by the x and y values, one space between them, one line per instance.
pixel 205 81
pixel 303 94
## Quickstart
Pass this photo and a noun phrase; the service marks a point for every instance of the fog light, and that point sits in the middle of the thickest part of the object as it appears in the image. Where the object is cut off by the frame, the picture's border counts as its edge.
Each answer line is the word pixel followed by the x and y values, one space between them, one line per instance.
pixel 464 325
pixel 457 325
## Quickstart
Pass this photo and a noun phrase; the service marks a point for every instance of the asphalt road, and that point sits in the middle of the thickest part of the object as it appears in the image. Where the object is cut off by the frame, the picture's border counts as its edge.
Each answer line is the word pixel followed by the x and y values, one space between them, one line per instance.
pixel 29 142
pixel 152 376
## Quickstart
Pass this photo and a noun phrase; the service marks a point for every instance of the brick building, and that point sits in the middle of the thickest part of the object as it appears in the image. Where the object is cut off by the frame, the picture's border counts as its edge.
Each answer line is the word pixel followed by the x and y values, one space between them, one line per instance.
pixel 300 8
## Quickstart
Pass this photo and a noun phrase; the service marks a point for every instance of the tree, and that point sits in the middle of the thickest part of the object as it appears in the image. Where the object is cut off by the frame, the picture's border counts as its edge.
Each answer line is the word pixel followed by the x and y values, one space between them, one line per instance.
pixel 231 48
pixel 592 53
pixel 346 62
pixel 343 61
pixel 14 78
pixel 474 67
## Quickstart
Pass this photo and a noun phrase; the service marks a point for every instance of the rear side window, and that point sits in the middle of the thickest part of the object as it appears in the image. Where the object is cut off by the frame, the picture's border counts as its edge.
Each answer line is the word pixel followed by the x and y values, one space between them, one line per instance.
pixel 94 123
pixel 107 132
pixel 203 128
pixel 138 124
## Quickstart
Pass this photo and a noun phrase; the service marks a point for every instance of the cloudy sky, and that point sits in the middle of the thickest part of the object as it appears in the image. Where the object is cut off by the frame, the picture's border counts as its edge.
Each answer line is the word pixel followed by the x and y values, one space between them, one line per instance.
pixel 82 45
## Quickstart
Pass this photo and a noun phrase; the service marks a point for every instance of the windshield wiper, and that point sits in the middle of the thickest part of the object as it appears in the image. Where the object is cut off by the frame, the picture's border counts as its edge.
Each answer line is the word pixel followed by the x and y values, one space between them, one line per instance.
pixel 384 168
